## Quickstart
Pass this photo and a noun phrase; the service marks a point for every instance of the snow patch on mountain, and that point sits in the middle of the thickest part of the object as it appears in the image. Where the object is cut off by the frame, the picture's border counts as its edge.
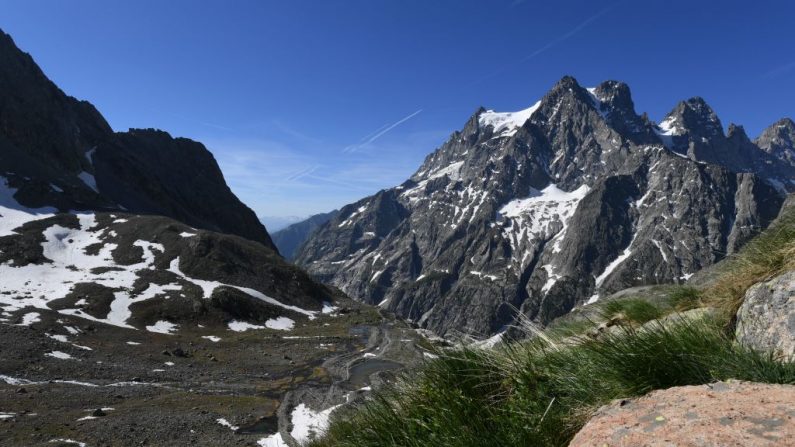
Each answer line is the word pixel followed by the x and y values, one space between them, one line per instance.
pixel 280 323
pixel 597 102
pixel 89 180
pixel 668 129
pixel 506 123
pixel 615 263
pixel 162 327
pixel 543 214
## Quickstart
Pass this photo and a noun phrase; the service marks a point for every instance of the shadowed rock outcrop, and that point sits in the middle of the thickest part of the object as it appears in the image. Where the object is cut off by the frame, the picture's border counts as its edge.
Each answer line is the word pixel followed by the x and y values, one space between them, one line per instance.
pixel 58 151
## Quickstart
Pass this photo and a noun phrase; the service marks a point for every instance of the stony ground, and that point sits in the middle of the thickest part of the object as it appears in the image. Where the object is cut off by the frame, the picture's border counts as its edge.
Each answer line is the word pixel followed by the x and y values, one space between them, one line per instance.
pixel 66 379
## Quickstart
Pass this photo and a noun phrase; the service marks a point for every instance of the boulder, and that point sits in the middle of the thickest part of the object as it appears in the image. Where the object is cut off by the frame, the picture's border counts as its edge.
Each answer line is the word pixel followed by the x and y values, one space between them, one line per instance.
pixel 719 414
pixel 766 319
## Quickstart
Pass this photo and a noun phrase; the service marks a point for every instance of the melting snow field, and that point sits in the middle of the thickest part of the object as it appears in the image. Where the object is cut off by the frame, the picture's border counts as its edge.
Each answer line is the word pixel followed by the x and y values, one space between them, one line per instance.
pixel 35 285
pixel 59 355
pixel 281 323
pixel 242 326
pixel 30 318
pixel 308 424
pixel 226 423
pixel 162 327
pixel 12 214
pixel 274 440
pixel 534 216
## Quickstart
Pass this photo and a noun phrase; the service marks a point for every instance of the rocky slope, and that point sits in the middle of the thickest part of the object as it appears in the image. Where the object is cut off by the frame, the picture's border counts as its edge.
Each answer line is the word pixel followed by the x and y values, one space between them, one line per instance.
pixel 141 303
pixel 550 207
pixel 60 152
pixel 124 329
pixel 290 239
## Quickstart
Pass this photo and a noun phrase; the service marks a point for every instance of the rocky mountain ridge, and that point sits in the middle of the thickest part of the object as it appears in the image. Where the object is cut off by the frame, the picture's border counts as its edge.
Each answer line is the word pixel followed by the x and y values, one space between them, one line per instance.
pixel 547 208
pixel 58 151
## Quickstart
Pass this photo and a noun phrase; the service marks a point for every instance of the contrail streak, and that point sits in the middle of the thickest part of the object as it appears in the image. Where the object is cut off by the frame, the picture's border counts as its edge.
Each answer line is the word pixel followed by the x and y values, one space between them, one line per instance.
pixel 379 133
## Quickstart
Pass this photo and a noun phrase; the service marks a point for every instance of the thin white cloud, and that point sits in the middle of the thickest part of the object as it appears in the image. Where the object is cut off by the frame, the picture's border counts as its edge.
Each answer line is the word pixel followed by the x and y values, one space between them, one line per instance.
pixel 378 134
pixel 302 173
pixel 279 179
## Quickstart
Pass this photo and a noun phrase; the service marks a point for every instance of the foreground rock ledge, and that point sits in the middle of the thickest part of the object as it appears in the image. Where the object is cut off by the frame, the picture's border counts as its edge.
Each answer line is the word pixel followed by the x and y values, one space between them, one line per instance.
pixel 766 319
pixel 719 414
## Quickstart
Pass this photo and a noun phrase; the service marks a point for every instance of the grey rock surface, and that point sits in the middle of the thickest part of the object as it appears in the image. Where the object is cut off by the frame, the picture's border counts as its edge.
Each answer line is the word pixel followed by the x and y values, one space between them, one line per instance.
pixel 545 209
pixel 778 140
pixel 766 319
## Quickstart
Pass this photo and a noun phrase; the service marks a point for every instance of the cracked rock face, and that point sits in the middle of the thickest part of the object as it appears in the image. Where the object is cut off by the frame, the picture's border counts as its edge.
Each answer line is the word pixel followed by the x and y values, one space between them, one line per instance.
pixel 726 414
pixel 766 319
pixel 548 208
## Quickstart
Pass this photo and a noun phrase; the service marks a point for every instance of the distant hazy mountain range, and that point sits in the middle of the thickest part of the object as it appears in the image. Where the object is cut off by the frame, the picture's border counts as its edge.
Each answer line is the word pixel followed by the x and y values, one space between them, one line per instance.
pixel 276 223
pixel 289 239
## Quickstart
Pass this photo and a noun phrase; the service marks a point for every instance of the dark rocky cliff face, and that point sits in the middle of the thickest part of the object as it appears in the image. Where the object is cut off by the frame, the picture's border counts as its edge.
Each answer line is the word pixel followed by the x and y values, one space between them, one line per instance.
pixel 545 209
pixel 58 151
pixel 127 229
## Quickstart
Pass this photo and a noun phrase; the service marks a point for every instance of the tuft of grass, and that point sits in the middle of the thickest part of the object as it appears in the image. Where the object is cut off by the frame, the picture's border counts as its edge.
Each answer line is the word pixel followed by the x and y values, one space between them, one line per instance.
pixel 684 298
pixel 541 393
pixel 769 254
pixel 632 310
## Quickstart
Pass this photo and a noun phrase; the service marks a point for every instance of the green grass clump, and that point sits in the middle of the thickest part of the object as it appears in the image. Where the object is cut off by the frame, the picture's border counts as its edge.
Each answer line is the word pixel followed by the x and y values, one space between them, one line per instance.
pixel 541 393
pixel 684 298
pixel 632 310
pixel 571 327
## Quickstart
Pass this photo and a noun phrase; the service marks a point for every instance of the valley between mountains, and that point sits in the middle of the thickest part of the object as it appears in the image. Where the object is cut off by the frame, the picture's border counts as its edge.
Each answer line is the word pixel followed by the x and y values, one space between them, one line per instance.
pixel 142 303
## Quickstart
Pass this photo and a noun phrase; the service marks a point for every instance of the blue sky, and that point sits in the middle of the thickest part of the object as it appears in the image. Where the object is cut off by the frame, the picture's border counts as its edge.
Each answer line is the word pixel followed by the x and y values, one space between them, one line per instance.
pixel 289 95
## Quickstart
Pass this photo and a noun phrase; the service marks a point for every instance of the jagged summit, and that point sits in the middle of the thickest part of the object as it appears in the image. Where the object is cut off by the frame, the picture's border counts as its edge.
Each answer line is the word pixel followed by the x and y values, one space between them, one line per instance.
pixel 778 140
pixel 549 207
